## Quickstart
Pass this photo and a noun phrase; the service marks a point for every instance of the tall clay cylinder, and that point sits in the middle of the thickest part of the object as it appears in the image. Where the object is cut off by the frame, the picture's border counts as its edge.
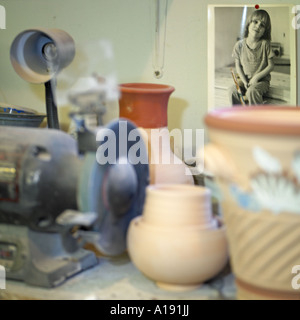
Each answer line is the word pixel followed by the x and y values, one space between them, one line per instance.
pixel 146 104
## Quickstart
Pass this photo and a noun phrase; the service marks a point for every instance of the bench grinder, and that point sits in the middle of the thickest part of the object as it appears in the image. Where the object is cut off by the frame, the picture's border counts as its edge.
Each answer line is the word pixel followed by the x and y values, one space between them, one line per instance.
pixel 57 194
pixel 54 200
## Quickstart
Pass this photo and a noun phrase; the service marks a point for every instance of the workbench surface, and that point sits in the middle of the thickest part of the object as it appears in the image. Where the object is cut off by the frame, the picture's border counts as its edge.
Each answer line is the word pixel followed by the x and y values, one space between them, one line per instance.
pixel 118 279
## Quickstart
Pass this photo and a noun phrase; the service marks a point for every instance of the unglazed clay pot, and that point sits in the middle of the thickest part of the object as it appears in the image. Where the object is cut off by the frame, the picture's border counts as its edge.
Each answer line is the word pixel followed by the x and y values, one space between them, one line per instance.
pixel 177 242
pixel 146 104
pixel 254 154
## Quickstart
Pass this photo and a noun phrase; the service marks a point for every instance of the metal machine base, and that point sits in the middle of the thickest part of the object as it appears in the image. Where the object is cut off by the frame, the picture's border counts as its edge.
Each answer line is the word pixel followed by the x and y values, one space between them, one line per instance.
pixel 41 259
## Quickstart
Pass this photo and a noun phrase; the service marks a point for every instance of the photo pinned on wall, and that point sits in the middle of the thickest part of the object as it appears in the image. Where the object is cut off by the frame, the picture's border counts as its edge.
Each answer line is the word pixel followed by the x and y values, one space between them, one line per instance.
pixel 245 40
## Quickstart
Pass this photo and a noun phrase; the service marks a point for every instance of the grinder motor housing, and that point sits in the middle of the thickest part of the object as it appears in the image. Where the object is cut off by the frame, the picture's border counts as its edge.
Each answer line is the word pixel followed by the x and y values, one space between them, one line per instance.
pixel 42 175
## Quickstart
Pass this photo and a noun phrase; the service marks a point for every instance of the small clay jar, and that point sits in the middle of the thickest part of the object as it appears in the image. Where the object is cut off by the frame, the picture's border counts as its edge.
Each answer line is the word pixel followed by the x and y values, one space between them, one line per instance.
pixel 177 242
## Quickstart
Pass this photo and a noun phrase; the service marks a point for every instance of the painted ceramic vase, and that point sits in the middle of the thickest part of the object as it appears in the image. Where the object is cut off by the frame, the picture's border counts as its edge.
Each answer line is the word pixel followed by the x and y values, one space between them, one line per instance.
pixel 254 155
pixel 146 104
pixel 177 242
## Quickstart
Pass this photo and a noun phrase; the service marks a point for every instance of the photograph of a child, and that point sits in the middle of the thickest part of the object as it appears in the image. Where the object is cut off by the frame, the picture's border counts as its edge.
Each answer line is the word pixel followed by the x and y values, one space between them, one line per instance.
pixel 254 56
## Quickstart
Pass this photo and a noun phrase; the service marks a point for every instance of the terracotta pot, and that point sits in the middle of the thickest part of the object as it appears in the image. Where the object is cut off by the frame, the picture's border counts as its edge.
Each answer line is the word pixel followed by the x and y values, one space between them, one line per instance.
pixel 177 242
pixel 146 104
pixel 254 154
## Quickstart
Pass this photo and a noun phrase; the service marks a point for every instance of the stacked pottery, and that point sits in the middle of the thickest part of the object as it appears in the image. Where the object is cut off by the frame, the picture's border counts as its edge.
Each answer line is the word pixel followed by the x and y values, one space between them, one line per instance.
pixel 254 154
pixel 177 242
pixel 146 104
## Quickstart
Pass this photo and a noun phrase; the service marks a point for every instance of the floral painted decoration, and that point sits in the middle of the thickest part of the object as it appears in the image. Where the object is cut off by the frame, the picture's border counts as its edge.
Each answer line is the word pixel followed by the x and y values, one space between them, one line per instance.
pixel 272 187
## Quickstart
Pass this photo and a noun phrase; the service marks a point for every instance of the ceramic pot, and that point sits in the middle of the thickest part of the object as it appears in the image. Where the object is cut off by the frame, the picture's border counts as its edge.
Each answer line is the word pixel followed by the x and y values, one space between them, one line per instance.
pixel 177 242
pixel 146 104
pixel 254 154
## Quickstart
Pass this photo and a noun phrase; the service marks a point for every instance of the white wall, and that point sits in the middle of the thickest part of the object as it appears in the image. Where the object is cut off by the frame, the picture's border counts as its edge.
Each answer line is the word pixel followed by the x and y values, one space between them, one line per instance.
pixel 280 30
pixel 227 30
pixel 126 24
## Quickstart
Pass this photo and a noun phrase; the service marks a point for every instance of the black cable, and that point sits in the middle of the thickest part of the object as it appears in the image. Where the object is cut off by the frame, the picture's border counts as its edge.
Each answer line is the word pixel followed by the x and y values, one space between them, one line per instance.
pixel 51 107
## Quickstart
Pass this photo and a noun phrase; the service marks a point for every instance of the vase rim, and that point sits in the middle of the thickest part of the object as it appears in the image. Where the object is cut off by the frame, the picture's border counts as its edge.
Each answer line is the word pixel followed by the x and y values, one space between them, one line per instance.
pixel 178 190
pixel 203 227
pixel 256 119
pixel 143 87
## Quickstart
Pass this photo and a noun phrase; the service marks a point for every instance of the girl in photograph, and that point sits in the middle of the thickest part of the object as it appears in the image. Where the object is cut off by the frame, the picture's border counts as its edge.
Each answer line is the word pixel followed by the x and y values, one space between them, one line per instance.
pixel 253 60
